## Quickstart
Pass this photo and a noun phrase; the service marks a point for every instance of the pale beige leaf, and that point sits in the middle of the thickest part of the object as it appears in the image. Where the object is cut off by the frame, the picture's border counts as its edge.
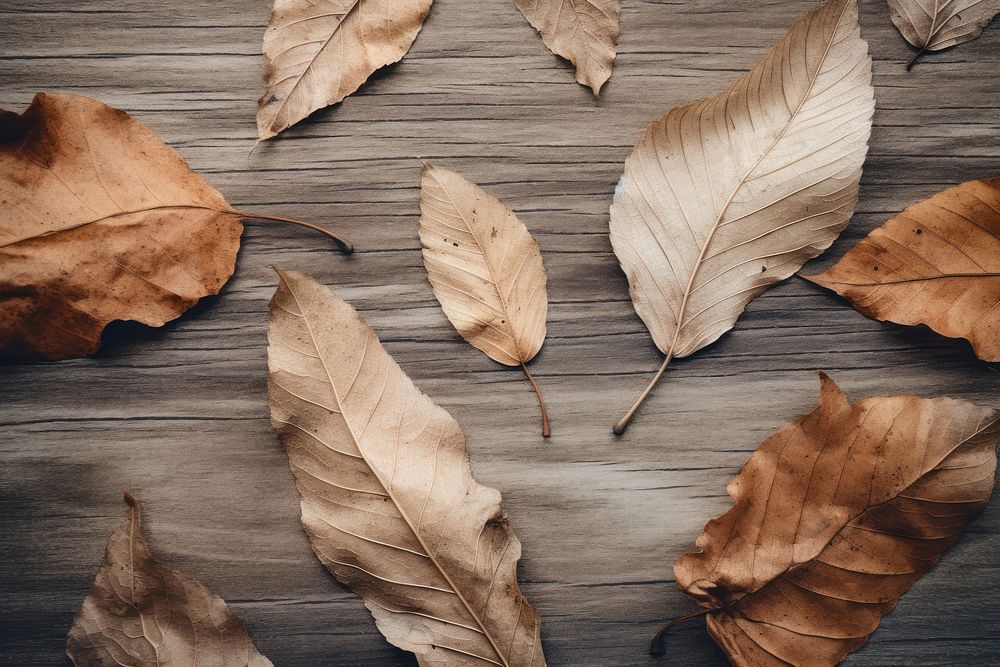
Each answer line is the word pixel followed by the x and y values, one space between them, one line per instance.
pixel 142 614
pixel 936 263
pixel 388 498
pixel 726 196
pixel 485 269
pixel 584 32
pixel 317 52
pixel 834 518
pixel 932 25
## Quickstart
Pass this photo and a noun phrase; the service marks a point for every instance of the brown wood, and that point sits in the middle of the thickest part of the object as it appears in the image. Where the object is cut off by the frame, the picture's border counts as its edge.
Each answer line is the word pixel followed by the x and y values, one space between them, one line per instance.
pixel 179 415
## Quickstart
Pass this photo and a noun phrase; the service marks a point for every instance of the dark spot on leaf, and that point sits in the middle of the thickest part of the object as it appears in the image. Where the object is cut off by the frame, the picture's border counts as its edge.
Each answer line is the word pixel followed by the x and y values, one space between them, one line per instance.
pixel 455 244
pixel 763 269
pixel 919 231
pixel 876 267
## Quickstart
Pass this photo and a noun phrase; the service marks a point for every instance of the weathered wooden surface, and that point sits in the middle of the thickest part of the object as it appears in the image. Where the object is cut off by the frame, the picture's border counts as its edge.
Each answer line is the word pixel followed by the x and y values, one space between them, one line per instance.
pixel 178 415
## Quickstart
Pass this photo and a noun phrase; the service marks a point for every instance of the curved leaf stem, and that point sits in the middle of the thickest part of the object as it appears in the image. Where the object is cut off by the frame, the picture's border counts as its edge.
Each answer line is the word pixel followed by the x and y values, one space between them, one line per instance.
pixel 541 403
pixel 913 60
pixel 623 422
pixel 343 245
pixel 657 645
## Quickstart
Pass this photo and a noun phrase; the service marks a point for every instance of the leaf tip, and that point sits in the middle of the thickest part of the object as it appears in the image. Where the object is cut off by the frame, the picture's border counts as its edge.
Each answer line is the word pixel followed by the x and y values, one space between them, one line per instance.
pixel 830 393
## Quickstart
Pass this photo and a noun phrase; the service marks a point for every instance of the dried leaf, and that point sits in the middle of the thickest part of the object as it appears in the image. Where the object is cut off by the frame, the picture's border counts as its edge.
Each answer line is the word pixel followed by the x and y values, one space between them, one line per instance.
pixel 724 197
pixel 317 52
pixel 141 613
pixel 834 518
pixel 388 498
pixel 932 25
pixel 100 221
pixel 584 32
pixel 936 263
pixel 485 269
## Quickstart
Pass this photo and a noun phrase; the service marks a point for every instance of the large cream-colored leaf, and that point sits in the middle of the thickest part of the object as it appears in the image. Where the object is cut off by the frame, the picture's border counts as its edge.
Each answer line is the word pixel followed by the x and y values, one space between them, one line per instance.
pixel 142 614
pixel 724 197
pixel 584 32
pixel 936 263
pixel 932 25
pixel 834 518
pixel 388 498
pixel 485 269
pixel 317 52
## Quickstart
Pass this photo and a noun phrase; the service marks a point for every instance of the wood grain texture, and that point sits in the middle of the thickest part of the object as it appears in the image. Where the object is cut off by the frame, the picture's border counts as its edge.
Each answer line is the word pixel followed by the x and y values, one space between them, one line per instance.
pixel 179 415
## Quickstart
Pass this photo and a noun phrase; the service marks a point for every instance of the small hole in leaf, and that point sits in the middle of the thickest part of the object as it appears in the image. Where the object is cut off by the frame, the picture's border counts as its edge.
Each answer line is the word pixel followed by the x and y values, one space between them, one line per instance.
pixel 455 244
pixel 876 267
pixel 919 231
pixel 763 269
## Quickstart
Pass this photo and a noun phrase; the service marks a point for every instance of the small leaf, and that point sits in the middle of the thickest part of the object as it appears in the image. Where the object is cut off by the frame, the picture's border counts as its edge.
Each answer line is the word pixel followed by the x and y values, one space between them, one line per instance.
pixel 834 518
pixel 936 263
pixel 932 25
pixel 101 221
pixel 485 269
pixel 143 614
pixel 317 52
pixel 725 197
pixel 584 32
pixel 388 498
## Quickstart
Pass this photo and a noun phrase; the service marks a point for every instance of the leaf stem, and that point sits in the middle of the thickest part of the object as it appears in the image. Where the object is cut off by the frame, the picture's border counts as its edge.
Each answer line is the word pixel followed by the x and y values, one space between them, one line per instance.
pixel 623 422
pixel 343 245
pixel 541 403
pixel 658 646
pixel 913 60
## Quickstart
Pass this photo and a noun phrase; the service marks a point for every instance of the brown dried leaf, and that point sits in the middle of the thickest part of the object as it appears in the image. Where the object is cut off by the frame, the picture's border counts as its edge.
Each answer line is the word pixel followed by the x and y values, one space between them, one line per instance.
pixel 317 52
pixel 932 25
pixel 834 518
pixel 936 263
pixel 141 613
pixel 388 498
pixel 485 269
pixel 584 32
pixel 101 221
pixel 727 196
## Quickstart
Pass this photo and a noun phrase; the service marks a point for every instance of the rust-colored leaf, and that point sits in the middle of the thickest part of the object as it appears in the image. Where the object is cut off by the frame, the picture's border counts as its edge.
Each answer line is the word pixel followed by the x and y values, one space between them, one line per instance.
pixel 142 614
pixel 388 498
pixel 100 221
pixel 485 269
pixel 834 518
pixel 936 263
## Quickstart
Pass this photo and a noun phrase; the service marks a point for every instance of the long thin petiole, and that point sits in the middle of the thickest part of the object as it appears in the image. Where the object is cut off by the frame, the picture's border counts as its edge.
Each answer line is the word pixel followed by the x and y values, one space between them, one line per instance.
pixel 913 60
pixel 657 645
pixel 541 403
pixel 343 245
pixel 623 422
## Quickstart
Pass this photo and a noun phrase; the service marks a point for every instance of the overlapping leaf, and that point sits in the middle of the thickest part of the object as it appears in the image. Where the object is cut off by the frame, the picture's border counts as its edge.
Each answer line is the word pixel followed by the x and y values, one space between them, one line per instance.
pixel 936 263
pixel 317 52
pixel 142 614
pixel 485 269
pixel 932 25
pixel 584 32
pixel 834 518
pixel 388 498
pixel 726 196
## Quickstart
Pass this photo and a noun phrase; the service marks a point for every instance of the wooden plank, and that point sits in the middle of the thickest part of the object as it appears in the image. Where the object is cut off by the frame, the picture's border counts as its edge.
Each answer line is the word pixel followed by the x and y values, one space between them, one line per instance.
pixel 179 416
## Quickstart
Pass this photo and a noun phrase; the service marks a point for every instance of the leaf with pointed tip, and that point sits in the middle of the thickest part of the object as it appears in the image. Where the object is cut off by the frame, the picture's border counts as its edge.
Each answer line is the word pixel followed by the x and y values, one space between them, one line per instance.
pixel 101 221
pixel 834 518
pixel 932 25
pixel 727 196
pixel 140 613
pixel 317 52
pixel 584 32
pixel 485 269
pixel 936 263
pixel 388 498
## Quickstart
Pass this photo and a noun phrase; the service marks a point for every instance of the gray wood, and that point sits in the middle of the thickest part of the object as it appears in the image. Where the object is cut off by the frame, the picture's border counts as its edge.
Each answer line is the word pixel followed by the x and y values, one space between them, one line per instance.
pixel 179 416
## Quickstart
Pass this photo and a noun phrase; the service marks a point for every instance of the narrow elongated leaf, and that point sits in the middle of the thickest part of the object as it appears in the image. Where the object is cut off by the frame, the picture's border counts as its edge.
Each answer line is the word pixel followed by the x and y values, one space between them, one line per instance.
pixel 834 518
pixel 724 197
pixel 936 263
pixel 388 498
pixel 932 25
pixel 142 614
pixel 584 32
pixel 100 221
pixel 485 269
pixel 317 52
